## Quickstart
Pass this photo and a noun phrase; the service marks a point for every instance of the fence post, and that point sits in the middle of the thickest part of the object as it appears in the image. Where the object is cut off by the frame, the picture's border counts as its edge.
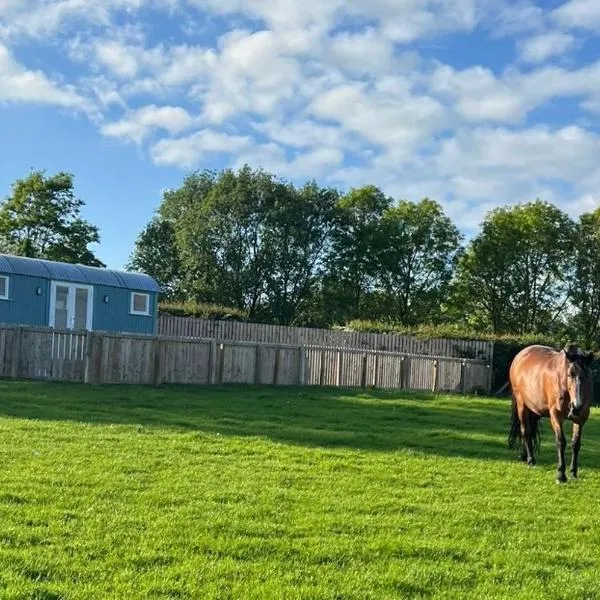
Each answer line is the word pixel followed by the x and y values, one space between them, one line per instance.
pixel 15 360
pixel 158 360
pixel 376 371
pixel 463 382
pixel 89 355
pixel 302 368
pixel 491 370
pixel 363 375
pixel 322 367
pixel 339 369
pixel 402 365
pixel 212 363
pixel 221 362
pixel 435 375
pixel 407 371
pixel 276 365
pixel 93 358
pixel 257 363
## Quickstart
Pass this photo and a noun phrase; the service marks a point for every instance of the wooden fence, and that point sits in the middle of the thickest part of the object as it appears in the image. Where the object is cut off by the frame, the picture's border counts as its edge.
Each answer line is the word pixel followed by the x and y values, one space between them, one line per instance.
pixel 189 327
pixel 103 358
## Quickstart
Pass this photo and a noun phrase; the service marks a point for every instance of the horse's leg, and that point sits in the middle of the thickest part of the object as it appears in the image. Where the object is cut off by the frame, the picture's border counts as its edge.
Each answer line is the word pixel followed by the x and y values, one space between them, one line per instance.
pixel 575 446
pixel 561 444
pixel 524 418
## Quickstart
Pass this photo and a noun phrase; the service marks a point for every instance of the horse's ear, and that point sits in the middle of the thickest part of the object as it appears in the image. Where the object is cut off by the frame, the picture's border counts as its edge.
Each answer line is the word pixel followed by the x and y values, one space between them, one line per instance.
pixel 588 358
pixel 569 353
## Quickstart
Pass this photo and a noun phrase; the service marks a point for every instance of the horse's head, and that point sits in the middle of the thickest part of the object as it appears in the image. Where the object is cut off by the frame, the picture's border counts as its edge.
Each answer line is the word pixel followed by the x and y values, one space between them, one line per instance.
pixel 578 377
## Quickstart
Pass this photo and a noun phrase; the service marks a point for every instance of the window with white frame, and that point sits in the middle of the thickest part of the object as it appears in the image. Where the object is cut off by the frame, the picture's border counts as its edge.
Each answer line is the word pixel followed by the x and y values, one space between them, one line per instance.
pixel 3 287
pixel 140 304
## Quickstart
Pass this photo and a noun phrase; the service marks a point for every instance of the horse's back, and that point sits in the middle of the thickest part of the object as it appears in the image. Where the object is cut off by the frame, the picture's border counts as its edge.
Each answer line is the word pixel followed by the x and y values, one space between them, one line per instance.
pixel 531 373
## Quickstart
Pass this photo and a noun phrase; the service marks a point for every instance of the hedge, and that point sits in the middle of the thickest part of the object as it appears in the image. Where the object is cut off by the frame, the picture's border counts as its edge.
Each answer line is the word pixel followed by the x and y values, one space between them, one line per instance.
pixel 202 311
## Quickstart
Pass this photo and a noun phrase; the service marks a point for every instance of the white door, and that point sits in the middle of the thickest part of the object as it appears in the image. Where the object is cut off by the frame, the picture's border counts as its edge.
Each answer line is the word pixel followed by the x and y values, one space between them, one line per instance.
pixel 71 306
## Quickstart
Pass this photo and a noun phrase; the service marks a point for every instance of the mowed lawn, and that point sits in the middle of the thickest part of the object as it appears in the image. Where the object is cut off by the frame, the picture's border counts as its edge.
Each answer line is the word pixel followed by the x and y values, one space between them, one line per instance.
pixel 275 493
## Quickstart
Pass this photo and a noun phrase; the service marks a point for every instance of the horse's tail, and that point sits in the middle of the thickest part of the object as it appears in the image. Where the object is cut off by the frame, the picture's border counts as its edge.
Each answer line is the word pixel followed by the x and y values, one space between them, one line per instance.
pixel 514 434
pixel 533 425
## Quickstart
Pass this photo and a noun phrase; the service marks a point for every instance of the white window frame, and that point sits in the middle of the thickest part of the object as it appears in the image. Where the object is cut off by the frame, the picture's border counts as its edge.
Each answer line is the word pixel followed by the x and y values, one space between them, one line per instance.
pixel 145 313
pixel 6 296
pixel 71 303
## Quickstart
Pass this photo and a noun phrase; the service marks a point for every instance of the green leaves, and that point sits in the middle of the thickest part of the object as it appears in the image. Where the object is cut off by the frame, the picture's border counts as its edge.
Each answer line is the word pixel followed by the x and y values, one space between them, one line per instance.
pixel 156 254
pixel 585 291
pixel 514 275
pixel 414 257
pixel 41 219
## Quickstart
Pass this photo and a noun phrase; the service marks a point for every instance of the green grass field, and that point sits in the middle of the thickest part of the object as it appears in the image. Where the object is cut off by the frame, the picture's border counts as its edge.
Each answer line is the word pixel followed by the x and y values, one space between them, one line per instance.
pixel 126 492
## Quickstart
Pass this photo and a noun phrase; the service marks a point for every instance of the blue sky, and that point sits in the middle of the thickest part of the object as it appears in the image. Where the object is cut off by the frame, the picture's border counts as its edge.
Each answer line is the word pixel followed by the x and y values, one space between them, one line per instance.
pixel 475 103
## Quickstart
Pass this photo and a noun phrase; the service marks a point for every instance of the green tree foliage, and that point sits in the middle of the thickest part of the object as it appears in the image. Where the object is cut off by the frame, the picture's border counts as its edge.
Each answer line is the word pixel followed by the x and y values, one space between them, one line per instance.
pixel 414 255
pixel 244 239
pixel 219 224
pixel 515 274
pixel 156 253
pixel 585 292
pixel 348 280
pixel 278 253
pixel 41 219
pixel 296 238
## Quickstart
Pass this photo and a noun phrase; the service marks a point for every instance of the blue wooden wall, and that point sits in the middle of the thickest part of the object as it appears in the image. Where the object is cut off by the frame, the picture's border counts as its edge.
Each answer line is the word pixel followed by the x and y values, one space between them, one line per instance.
pixel 24 307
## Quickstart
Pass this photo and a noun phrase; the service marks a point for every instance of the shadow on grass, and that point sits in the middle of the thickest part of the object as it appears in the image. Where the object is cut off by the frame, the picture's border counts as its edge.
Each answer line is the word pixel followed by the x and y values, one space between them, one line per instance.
pixel 471 427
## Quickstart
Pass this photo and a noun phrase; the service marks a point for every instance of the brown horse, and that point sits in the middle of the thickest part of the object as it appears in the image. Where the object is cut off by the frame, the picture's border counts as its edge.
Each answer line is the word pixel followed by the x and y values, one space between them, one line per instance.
pixel 555 384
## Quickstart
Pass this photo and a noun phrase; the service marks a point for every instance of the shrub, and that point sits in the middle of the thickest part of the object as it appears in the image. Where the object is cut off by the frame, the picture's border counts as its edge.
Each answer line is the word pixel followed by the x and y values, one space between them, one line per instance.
pixel 202 310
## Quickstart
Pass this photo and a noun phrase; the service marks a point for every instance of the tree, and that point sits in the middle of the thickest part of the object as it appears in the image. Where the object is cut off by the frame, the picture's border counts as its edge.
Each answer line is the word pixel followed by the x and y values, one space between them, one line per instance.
pixel 585 291
pixel 245 239
pixel 41 219
pixel 218 221
pixel 348 279
pixel 297 234
pixel 417 246
pixel 156 254
pixel 514 275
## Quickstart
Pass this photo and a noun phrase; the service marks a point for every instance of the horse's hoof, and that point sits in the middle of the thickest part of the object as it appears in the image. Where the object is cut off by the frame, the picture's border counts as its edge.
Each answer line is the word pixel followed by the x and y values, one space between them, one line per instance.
pixel 561 479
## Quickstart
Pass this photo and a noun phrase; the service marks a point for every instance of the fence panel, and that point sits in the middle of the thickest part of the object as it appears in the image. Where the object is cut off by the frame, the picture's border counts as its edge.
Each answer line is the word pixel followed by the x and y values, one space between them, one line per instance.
pixel 93 357
pixel 190 327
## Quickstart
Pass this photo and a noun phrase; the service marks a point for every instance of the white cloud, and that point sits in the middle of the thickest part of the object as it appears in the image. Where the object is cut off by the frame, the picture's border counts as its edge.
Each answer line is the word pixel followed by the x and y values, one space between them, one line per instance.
pixel 478 94
pixel 254 72
pixel 481 96
pixel 303 134
pixel 144 69
pixel 311 164
pixel 19 84
pixel 362 53
pixel 400 21
pixel 539 48
pixel 37 19
pixel 515 17
pixel 477 170
pixel 387 114
pixel 411 19
pixel 188 151
pixel 279 14
pixel 537 152
pixel 579 13
pixel 117 58
pixel 138 124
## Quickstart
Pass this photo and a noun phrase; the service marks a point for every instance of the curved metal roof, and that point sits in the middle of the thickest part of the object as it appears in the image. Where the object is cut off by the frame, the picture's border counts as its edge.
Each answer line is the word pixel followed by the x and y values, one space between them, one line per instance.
pixel 49 269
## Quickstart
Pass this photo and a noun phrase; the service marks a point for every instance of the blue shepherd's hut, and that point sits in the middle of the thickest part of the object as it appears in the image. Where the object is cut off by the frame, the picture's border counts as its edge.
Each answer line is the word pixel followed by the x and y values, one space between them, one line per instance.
pixel 46 293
